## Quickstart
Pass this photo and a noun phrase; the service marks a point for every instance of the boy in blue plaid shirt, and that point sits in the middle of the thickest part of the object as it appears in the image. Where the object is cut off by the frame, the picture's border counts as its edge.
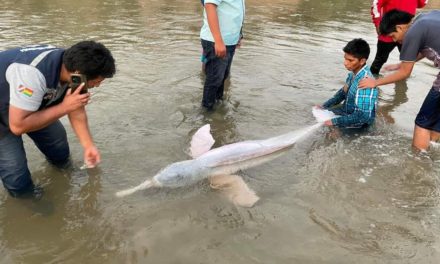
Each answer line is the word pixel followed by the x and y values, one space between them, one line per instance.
pixel 359 105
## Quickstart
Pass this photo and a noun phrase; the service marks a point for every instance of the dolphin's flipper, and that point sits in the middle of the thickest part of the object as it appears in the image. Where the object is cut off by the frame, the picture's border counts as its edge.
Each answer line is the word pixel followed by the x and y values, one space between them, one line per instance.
pixel 145 185
pixel 322 115
pixel 201 142
pixel 235 189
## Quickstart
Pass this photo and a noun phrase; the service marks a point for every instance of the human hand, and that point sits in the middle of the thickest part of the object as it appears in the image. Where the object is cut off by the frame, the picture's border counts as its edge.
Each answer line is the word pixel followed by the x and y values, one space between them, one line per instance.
pixel 367 82
pixel 328 123
pixel 391 67
pixel 75 100
pixel 239 43
pixel 319 107
pixel 220 49
pixel 91 157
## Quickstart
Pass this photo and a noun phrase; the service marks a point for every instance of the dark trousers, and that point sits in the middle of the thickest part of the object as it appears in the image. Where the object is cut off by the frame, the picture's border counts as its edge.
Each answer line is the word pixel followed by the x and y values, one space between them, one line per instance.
pixel 14 171
pixel 217 71
pixel 383 52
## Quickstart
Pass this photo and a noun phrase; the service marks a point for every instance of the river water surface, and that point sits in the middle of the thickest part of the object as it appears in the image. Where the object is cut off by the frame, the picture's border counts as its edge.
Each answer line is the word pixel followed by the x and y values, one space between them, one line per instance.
pixel 357 198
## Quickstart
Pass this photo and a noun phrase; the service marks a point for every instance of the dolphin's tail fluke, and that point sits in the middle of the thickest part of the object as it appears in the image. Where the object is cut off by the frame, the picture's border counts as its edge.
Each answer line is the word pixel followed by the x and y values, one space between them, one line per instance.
pixel 143 186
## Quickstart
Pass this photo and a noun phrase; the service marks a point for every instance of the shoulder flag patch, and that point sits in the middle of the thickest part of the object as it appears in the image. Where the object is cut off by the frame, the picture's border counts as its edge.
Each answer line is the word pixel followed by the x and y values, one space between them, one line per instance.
pixel 26 91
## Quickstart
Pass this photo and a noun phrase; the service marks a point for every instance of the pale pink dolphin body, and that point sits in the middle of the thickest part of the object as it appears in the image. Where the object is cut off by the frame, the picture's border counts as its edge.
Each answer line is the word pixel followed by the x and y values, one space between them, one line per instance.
pixel 220 163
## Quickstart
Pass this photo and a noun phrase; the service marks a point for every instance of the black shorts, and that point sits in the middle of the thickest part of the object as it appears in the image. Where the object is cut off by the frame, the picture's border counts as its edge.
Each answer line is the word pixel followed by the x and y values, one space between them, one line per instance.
pixel 429 114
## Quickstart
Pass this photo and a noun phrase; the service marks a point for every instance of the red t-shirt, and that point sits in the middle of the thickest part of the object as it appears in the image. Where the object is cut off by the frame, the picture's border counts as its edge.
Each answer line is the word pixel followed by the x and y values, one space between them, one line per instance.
pixel 380 7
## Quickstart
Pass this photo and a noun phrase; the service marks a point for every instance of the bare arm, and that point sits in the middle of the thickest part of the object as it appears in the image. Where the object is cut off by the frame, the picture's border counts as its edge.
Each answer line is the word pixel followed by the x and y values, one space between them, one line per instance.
pixel 23 121
pixel 401 74
pixel 78 120
pixel 211 13
pixel 395 67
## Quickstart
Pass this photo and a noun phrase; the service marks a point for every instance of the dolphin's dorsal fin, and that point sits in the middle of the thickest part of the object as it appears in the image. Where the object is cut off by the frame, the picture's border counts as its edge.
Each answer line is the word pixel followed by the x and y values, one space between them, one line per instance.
pixel 201 142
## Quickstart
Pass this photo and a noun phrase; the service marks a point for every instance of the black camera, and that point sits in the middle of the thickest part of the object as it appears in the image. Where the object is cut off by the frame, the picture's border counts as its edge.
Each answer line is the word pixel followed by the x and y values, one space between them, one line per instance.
pixel 76 80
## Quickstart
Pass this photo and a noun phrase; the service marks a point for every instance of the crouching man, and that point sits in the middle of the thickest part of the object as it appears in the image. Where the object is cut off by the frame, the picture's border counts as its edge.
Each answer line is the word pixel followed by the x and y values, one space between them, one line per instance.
pixel 35 92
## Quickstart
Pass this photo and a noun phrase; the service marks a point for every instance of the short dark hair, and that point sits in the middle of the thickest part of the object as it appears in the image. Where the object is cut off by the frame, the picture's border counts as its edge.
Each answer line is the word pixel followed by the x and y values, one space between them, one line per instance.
pixel 393 18
pixel 90 58
pixel 359 48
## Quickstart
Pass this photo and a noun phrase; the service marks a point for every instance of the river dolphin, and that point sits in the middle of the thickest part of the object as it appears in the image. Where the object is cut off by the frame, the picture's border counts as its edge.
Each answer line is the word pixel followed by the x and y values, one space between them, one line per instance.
pixel 220 163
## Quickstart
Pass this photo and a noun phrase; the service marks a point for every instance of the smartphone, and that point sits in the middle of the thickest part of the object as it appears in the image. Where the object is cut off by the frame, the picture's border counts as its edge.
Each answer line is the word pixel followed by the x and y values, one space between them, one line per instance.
pixel 76 80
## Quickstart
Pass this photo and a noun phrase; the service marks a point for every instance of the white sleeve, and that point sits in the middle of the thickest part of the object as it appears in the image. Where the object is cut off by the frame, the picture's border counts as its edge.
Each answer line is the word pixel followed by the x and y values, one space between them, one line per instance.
pixel 27 86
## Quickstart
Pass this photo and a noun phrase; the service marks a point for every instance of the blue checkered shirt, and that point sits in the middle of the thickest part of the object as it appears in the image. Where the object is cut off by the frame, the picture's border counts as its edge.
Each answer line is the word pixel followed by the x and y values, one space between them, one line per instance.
pixel 359 106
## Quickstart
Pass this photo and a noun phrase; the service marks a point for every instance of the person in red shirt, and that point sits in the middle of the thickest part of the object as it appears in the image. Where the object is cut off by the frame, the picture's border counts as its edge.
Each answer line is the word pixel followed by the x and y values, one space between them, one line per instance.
pixel 386 44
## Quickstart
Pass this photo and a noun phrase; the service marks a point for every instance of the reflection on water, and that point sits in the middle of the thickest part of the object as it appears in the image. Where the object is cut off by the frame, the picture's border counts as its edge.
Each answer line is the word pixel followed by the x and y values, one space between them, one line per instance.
pixel 387 102
pixel 326 200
